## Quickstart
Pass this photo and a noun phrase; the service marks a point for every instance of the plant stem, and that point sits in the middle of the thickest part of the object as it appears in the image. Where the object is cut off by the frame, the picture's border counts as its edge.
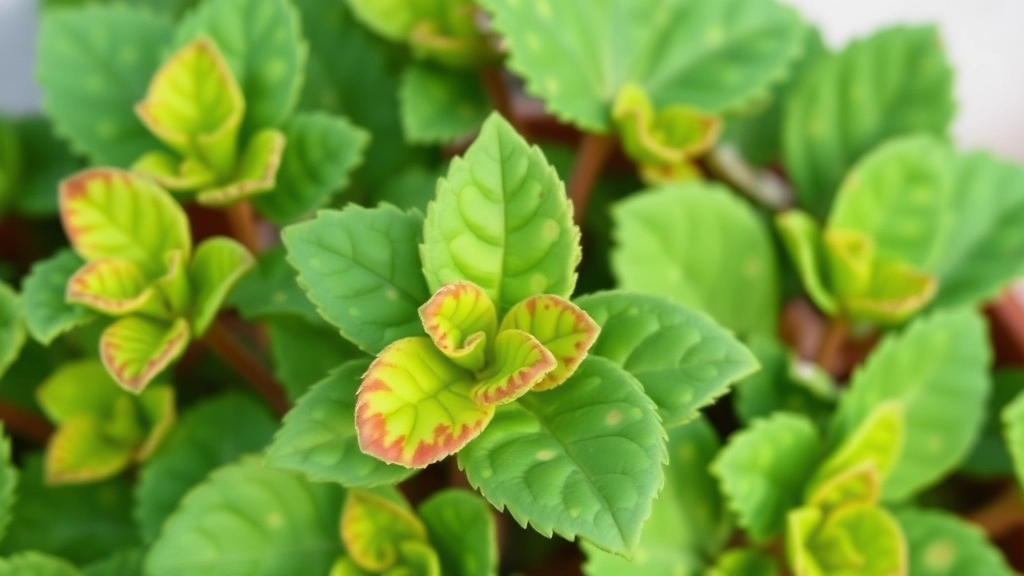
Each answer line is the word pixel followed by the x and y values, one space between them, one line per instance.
pixel 762 186
pixel 242 220
pixel 25 423
pixel 1001 515
pixel 594 150
pixel 494 84
pixel 832 345
pixel 225 344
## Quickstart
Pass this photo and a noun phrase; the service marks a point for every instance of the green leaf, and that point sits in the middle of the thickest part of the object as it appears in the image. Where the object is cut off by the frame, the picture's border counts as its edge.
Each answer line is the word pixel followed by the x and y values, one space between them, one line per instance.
pixel 854 540
pixel 361 269
pixel 744 562
pixel 990 455
pixel 255 174
pixel 109 213
pixel 938 369
pixel 304 352
pixel 373 526
pixel 802 238
pixel 440 105
pixel 785 383
pixel 12 327
pixel 1013 422
pixel 941 544
pixel 267 522
pixel 10 163
pixel 461 529
pixel 47 314
pixel 270 291
pixel 81 523
pixel 322 152
pixel 683 359
pixel 36 564
pixel 126 563
pixel 94 65
pixel 135 349
pixel 895 82
pixel 75 389
pixel 502 221
pixel 716 56
pixel 689 522
pixel 8 482
pixel 764 468
pixel 195 106
pixel 567 433
pixel 217 266
pixel 318 437
pixel 263 45
pixel 45 160
pixel 213 433
pixel 80 452
pixel 415 406
pixel 700 245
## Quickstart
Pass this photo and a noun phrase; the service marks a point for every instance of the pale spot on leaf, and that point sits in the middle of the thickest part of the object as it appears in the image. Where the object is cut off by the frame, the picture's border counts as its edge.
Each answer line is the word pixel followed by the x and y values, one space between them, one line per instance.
pixel 940 555
pixel 614 417
pixel 546 455
pixel 274 520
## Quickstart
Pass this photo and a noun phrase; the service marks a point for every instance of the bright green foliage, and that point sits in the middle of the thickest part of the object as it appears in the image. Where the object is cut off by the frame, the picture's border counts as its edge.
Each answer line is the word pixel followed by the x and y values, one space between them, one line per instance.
pixel 444 31
pixel 853 540
pixel 683 359
pixel 461 528
pixel 744 562
pixel 763 471
pixel 263 46
pixel 94 65
pixel 318 437
pixel 36 564
pixel 1013 419
pixel 938 370
pixel 361 269
pixel 215 268
pixel 568 433
pixel 101 427
pixel 895 82
pixel 209 435
pixel 501 220
pixel 80 523
pixel 941 544
pixel 47 315
pixel 12 327
pixel 268 522
pixel 689 522
pixel 8 482
pixel 785 383
pixel 439 105
pixel 699 245
pixel 717 56
pixel 322 151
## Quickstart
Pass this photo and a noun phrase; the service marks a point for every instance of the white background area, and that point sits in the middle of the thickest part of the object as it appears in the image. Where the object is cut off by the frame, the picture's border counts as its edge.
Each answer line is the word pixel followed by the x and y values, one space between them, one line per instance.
pixel 985 39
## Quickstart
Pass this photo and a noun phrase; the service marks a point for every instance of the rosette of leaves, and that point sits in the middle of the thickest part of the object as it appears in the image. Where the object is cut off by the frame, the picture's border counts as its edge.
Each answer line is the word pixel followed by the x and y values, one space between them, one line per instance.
pixel 664 142
pixel 480 352
pixel 140 268
pixel 101 428
pixel 956 242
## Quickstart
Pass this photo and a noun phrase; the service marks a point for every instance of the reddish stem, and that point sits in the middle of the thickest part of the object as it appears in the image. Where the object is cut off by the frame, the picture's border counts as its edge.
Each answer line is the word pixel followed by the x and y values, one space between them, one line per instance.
pixel 25 423
pixel 831 348
pixel 242 220
pixel 494 84
pixel 594 151
pixel 1001 515
pixel 225 344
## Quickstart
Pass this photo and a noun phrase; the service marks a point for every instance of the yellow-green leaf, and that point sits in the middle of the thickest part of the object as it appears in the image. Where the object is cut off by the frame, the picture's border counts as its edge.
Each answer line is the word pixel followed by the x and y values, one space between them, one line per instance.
pixel 460 318
pixel 373 526
pixel 136 349
pixel 519 364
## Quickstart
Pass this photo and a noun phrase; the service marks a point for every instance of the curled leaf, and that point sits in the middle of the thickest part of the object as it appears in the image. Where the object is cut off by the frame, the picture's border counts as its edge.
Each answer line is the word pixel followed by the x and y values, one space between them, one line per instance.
pixel 519 365
pixel 373 526
pixel 460 318
pixel 256 172
pixel 136 349
pixel 112 286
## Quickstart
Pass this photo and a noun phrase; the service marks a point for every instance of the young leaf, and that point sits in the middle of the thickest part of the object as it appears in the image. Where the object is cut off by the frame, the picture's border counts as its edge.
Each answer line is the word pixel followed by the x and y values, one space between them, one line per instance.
pixel 47 314
pixel 895 82
pixel 81 452
pixel 213 433
pixel 461 529
pixel 802 238
pixel 195 106
pixel 561 327
pixel 12 327
pixel 135 349
pixel 361 269
pixel 415 406
pixel 373 526
pixel 861 540
pixel 268 522
pixel 520 363
pixel 114 287
pixel 8 482
pixel 941 544
pixel 322 151
pixel 109 213
pixel 938 369
pixel 764 468
pixel 217 266
pixel 502 221
pixel 263 46
pixel 81 523
pixel 701 246
pixel 713 55
pixel 318 437
pixel 744 562
pixel 567 433
pixel 1013 421
pixel 77 389
pixel 256 172
pixel 36 564
pixel 682 358
pixel 460 319
pixel 440 105
pixel 94 65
